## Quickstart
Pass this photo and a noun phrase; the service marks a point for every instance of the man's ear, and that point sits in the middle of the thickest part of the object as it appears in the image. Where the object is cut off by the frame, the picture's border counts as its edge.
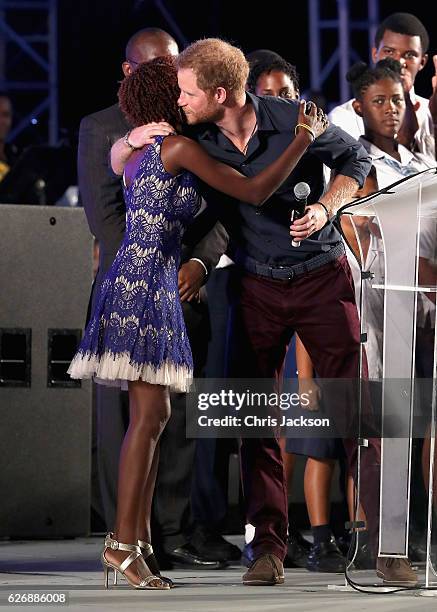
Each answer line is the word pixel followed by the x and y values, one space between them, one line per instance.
pixel 423 61
pixel 220 95
pixel 357 107
pixel 374 55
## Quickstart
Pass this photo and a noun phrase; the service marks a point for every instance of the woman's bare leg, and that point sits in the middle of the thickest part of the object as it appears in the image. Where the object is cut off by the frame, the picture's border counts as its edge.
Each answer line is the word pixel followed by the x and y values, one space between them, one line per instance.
pixel 351 502
pixel 426 457
pixel 317 485
pixel 149 410
pixel 145 510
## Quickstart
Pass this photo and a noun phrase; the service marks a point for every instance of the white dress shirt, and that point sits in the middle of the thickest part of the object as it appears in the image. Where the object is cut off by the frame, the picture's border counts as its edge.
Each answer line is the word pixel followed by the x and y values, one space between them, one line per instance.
pixel 388 171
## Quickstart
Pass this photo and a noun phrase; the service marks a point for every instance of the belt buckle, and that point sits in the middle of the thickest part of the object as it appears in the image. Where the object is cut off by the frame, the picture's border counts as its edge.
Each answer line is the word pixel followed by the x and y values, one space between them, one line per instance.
pixel 291 272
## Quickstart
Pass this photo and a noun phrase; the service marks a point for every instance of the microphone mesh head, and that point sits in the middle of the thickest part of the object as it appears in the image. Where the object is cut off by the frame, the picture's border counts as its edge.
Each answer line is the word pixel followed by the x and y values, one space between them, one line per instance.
pixel 301 191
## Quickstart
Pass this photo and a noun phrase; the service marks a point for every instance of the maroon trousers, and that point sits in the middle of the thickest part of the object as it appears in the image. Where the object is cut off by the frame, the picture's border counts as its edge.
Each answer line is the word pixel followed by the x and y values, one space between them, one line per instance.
pixel 320 307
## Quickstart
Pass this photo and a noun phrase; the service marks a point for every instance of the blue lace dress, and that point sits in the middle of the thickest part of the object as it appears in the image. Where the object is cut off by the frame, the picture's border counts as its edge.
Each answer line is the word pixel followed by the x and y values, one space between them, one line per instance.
pixel 137 329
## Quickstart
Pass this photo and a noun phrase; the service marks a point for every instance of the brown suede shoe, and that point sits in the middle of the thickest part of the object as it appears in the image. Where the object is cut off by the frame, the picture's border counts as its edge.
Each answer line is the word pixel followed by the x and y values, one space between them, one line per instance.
pixel 267 570
pixel 396 572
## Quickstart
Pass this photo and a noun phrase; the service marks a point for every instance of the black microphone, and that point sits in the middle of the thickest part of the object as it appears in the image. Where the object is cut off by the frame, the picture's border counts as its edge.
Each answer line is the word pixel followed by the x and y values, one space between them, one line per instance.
pixel 301 192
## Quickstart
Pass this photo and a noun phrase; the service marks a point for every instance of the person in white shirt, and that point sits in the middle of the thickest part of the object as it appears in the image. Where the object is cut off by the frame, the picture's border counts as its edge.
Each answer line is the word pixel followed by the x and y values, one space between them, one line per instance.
pixel 380 104
pixel 403 37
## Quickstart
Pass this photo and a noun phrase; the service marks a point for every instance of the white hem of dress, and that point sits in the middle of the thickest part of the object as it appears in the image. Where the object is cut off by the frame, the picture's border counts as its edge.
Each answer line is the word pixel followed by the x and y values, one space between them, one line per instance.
pixel 116 370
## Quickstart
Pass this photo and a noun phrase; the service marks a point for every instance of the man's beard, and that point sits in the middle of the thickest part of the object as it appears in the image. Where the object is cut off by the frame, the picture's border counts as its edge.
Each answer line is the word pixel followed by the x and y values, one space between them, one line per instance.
pixel 211 114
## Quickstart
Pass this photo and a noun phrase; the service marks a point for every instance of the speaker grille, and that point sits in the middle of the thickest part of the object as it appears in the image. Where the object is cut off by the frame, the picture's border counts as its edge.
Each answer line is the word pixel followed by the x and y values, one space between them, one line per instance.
pixel 15 357
pixel 62 345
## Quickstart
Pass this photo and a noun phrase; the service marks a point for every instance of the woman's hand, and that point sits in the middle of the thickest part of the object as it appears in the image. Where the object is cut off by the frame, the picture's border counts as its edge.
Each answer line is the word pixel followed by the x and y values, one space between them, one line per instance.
pixel 313 117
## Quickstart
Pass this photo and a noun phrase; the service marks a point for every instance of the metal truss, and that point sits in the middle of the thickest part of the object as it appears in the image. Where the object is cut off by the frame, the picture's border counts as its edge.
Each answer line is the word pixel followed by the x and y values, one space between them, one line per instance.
pixel 337 22
pixel 29 39
pixel 168 18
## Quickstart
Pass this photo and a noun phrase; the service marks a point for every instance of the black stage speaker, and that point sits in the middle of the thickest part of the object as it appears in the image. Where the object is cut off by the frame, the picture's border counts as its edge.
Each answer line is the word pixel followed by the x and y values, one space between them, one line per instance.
pixel 45 426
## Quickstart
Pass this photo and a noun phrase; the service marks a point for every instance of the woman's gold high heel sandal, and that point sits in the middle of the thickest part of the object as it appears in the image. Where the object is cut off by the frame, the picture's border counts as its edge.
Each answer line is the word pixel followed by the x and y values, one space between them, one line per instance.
pixel 145 583
pixel 152 563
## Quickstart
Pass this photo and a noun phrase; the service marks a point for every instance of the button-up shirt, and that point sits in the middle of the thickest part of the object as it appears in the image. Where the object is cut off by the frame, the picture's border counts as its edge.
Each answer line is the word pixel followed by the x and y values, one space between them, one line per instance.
pixel 263 234
pixel 389 170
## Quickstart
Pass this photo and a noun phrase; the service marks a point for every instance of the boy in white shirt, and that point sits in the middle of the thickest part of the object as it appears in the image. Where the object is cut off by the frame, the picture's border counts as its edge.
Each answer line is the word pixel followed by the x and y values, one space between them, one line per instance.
pixel 403 37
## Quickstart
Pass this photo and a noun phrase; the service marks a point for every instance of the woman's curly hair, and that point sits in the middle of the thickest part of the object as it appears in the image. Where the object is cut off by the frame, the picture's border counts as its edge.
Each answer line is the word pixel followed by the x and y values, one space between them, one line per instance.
pixel 151 93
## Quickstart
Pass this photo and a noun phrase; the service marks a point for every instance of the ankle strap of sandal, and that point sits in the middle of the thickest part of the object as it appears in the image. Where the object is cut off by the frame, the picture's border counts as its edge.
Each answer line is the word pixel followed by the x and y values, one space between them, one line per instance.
pixel 116 545
pixel 146 547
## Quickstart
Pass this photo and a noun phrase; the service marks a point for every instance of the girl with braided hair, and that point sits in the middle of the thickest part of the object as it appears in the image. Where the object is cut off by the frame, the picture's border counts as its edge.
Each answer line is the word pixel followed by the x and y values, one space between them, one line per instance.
pixel 380 102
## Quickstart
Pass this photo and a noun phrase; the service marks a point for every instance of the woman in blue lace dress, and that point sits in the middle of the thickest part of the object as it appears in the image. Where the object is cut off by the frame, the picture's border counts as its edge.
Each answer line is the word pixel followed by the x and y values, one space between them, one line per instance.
pixel 136 336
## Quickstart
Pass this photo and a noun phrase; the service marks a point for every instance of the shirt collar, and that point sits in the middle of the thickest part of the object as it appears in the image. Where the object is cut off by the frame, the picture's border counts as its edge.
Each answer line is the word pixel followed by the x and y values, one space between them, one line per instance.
pixel 263 119
pixel 413 96
pixel 377 153
pixel 422 110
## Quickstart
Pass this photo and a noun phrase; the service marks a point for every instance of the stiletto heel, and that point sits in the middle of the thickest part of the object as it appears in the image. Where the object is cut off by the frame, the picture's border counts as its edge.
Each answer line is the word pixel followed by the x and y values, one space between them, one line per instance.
pixel 152 563
pixel 106 570
pixel 145 583
pixel 105 573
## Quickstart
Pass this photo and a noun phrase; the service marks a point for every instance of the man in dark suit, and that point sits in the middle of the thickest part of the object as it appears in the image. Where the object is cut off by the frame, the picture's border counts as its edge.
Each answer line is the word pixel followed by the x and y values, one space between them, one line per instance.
pixel 102 197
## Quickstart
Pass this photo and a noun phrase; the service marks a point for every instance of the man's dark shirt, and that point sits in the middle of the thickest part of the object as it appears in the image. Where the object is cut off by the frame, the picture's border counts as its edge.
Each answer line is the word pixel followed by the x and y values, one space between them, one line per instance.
pixel 263 234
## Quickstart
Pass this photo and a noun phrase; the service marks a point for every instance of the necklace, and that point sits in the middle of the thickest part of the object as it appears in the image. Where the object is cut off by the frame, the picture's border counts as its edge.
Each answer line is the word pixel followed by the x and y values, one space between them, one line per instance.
pixel 244 151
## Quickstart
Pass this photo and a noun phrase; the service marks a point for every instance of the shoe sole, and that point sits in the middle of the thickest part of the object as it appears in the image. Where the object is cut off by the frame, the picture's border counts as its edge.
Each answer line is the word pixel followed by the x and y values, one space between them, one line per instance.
pixel 278 580
pixel 201 566
pixel 400 583
pixel 325 571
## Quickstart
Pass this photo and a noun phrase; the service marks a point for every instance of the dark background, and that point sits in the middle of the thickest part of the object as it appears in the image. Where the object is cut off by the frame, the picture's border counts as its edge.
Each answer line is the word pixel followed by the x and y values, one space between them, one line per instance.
pixel 93 34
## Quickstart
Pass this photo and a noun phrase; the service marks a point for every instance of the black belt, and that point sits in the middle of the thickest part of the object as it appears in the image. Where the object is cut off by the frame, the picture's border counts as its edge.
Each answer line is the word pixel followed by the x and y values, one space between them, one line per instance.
pixel 289 272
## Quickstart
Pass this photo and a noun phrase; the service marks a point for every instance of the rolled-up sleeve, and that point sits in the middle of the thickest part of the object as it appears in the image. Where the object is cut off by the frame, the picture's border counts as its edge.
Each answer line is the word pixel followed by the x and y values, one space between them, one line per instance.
pixel 342 153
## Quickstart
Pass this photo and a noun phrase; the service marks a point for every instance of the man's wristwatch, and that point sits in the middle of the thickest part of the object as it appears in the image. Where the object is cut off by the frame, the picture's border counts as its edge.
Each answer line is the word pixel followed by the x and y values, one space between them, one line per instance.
pixel 127 143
